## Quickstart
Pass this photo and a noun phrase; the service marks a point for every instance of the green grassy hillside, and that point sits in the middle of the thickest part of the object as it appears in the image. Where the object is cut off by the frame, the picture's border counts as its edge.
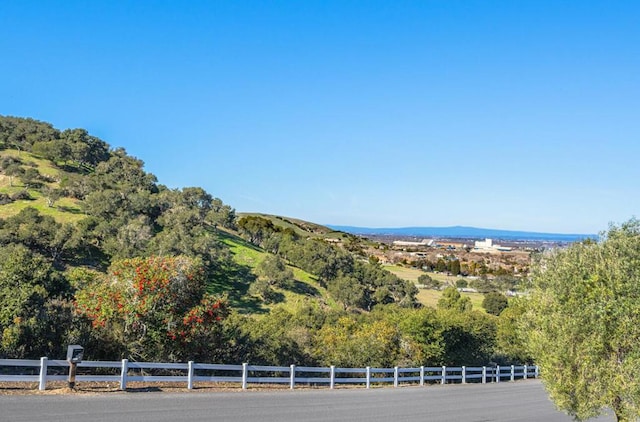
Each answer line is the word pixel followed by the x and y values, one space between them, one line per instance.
pixel 64 209
pixel 235 281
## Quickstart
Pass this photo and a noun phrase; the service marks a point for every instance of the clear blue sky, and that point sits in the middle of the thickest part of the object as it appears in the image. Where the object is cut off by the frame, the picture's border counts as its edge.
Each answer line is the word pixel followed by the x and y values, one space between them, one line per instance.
pixel 518 114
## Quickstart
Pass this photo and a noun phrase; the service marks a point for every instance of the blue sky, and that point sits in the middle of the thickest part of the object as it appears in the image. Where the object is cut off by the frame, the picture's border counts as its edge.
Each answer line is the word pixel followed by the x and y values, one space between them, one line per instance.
pixel 520 115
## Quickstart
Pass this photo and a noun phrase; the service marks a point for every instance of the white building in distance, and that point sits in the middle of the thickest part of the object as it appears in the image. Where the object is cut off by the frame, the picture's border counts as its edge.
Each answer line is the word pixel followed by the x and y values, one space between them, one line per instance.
pixel 483 244
pixel 488 246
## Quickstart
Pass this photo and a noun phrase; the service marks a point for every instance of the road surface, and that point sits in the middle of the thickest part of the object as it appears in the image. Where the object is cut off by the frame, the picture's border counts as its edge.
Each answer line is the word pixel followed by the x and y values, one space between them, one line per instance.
pixel 519 401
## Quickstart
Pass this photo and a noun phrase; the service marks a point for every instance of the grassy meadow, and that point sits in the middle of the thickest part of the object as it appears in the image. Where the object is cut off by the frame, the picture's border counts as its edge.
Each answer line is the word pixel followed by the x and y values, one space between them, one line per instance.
pixel 429 297
pixel 64 210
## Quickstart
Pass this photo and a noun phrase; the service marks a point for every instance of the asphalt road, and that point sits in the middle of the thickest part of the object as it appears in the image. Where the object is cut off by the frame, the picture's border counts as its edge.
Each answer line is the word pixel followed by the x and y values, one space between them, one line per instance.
pixel 519 401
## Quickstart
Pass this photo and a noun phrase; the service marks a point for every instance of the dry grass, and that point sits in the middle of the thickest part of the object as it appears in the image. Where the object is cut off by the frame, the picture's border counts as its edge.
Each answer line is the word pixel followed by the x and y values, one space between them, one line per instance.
pixel 430 298
pixel 89 388
pixel 412 274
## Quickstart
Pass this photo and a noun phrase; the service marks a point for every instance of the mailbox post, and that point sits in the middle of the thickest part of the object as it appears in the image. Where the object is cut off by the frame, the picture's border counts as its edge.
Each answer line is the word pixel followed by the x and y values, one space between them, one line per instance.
pixel 74 356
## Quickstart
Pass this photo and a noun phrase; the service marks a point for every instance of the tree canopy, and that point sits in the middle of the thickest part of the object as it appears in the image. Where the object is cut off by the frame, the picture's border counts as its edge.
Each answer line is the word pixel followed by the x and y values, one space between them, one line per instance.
pixel 452 299
pixel 582 324
pixel 495 302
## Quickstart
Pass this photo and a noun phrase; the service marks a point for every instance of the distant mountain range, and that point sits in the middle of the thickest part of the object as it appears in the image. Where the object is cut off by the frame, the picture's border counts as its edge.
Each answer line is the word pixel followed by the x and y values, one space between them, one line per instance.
pixel 463 233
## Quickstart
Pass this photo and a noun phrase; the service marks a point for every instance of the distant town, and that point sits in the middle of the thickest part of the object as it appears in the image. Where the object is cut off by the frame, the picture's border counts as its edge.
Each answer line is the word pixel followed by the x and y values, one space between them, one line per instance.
pixel 460 256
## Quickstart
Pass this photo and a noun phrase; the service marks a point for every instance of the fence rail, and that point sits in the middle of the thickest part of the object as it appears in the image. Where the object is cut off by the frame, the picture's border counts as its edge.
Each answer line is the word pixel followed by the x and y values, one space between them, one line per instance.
pixel 192 372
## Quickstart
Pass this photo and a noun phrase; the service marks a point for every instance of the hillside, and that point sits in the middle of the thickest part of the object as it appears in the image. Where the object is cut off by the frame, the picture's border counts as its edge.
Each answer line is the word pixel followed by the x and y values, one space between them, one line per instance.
pixel 31 192
pixel 63 209
pixel 301 227
pixel 112 210
pixel 235 282
pixel 94 250
pixel 304 288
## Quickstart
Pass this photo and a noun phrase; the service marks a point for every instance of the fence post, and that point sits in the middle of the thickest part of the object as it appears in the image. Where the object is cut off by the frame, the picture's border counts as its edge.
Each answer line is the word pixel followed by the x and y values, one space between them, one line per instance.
pixel 513 372
pixel 42 385
pixel 484 374
pixel 190 376
pixel 395 376
pixel 332 374
pixel 525 372
pixel 464 374
pixel 536 373
pixel 421 376
pixel 497 373
pixel 368 376
pixel 292 374
pixel 444 375
pixel 123 374
pixel 245 375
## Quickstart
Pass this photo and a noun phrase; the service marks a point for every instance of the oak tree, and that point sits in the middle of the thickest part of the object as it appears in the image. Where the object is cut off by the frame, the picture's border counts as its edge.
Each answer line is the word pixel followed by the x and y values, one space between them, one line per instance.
pixel 582 324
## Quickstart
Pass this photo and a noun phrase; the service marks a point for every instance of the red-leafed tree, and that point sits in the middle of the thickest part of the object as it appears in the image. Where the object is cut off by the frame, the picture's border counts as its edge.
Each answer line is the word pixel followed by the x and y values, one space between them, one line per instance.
pixel 155 309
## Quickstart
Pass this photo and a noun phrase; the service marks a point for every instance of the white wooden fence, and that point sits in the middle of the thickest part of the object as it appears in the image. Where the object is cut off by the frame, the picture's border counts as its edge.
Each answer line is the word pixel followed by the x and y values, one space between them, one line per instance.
pixel 191 372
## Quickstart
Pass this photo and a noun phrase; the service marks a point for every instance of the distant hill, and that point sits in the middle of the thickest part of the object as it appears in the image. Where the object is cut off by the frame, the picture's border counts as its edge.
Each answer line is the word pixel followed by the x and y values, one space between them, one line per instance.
pixel 462 232
pixel 301 227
